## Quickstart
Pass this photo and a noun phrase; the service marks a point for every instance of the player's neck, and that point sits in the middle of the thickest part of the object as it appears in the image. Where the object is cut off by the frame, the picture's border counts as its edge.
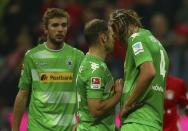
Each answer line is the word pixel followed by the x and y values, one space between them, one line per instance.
pixel 132 29
pixel 54 46
pixel 98 52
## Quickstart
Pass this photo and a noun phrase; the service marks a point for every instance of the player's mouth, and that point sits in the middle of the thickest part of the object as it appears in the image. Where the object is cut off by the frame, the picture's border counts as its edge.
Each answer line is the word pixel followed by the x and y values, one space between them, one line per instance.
pixel 59 36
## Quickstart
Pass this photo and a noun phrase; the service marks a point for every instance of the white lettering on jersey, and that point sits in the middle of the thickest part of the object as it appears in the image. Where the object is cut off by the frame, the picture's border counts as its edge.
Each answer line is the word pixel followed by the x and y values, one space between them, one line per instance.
pixel 157 88
pixel 94 66
pixel 137 48
pixel 134 35
pixel 81 68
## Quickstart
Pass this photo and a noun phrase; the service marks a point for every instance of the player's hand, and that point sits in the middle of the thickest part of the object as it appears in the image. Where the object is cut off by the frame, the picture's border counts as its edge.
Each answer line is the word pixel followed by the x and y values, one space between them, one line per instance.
pixel 127 109
pixel 118 88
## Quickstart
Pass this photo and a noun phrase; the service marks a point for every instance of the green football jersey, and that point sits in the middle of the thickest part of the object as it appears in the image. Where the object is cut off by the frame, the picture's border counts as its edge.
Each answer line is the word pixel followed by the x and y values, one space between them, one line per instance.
pixel 51 77
pixel 94 81
pixel 142 47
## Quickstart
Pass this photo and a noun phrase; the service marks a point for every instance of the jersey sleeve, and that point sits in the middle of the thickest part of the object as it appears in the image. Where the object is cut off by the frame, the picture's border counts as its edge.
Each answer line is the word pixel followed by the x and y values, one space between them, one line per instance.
pixel 25 79
pixel 95 84
pixel 140 51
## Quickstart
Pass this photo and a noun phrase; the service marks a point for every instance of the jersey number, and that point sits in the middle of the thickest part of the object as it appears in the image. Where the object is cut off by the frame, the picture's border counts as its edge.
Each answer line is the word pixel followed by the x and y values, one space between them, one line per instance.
pixel 162 64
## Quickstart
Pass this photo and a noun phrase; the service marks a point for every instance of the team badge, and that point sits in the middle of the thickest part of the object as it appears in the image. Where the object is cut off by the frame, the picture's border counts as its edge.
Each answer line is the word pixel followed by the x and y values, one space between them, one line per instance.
pixel 95 82
pixel 137 48
pixel 69 62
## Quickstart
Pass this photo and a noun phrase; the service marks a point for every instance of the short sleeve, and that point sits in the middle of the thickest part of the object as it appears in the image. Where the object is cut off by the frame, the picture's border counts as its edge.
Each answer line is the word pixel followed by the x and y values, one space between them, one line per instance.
pixel 25 79
pixel 95 84
pixel 140 52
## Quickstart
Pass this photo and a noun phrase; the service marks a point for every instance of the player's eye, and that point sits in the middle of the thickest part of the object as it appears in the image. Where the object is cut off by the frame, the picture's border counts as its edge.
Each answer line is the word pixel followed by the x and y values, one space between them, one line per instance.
pixel 55 24
pixel 64 24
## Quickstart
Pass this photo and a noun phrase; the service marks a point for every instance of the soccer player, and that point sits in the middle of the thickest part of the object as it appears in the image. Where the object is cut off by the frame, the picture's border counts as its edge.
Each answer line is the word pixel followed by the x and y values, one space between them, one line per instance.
pixel 145 69
pixel 175 97
pixel 97 94
pixel 49 74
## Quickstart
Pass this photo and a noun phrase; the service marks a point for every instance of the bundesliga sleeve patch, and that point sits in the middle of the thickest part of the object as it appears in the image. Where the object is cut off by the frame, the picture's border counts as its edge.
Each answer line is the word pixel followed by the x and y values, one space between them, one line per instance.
pixel 95 82
pixel 137 48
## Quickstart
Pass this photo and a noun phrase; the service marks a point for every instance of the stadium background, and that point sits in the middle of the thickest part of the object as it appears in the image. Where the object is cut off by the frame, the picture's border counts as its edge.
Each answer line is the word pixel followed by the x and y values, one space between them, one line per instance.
pixel 20 29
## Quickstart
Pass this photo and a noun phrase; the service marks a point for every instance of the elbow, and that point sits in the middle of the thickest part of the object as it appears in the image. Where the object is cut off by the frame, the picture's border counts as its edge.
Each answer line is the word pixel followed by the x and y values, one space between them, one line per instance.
pixel 148 75
pixel 95 113
pixel 96 108
pixel 148 70
pixel 152 74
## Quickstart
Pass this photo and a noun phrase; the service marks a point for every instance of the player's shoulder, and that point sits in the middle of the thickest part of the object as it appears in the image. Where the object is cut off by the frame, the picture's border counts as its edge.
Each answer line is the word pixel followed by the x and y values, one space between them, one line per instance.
pixel 138 36
pixel 73 49
pixel 35 49
pixel 92 65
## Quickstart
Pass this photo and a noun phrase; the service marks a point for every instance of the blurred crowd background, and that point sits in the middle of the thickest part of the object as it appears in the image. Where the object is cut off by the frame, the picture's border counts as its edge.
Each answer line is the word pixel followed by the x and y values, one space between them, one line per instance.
pixel 21 29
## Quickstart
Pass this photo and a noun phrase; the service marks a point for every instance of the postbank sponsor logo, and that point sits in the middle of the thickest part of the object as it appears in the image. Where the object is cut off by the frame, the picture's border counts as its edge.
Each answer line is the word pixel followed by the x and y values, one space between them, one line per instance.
pixel 56 77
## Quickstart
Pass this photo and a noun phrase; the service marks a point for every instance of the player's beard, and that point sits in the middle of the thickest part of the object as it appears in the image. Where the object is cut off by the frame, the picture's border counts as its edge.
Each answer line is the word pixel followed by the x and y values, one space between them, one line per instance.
pixel 55 41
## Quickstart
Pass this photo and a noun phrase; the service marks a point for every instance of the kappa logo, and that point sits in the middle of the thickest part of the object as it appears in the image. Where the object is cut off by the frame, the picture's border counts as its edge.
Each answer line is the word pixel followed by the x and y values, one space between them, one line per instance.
pixel 133 36
pixel 81 68
pixel 95 82
pixel 137 48
pixel 94 66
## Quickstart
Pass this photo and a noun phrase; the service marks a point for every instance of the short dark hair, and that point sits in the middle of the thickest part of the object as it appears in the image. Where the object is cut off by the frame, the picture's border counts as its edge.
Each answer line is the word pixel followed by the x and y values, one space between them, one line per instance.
pixel 52 13
pixel 93 28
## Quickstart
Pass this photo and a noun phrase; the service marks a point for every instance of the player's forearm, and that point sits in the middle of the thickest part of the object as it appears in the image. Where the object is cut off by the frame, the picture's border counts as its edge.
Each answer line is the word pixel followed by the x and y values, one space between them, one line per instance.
pixel 142 84
pixel 106 105
pixel 19 108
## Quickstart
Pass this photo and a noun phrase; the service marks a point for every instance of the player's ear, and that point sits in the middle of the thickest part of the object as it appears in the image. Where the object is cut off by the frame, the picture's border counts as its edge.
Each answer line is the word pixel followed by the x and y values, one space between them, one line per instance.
pixel 103 37
pixel 45 29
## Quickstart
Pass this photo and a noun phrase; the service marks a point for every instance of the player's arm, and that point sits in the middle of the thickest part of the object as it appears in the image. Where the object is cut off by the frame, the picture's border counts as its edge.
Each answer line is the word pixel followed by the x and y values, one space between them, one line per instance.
pixel 19 108
pixel 146 75
pixel 98 107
